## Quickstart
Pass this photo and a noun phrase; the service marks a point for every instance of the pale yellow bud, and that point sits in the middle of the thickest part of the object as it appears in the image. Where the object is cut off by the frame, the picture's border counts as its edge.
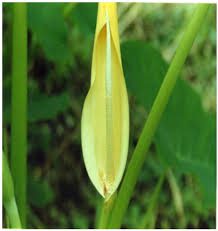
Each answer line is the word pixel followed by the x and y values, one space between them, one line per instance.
pixel 105 116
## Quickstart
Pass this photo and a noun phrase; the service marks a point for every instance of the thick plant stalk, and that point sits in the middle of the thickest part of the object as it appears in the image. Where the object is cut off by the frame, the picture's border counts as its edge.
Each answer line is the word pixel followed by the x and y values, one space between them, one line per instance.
pixel 5 142
pixel 156 112
pixel 8 196
pixel 19 107
pixel 106 211
pixel 5 149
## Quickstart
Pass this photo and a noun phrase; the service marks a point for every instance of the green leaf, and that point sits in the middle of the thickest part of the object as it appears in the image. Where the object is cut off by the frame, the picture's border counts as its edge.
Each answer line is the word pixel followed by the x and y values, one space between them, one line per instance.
pixel 39 191
pixel 186 139
pixel 83 29
pixel 144 70
pixel 46 21
pixel 43 107
pixel 186 136
pixel 79 220
pixel 85 21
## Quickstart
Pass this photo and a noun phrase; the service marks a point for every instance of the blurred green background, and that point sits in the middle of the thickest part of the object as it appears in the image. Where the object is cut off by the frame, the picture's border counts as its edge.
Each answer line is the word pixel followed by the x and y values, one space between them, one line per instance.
pixel 60 41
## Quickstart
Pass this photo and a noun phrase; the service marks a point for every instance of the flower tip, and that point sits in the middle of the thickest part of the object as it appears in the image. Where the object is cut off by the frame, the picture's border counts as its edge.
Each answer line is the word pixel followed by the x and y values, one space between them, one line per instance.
pixel 107 5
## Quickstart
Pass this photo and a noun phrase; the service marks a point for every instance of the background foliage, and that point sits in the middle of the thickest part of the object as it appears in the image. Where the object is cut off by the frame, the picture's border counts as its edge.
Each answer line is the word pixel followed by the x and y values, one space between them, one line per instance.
pixel 60 39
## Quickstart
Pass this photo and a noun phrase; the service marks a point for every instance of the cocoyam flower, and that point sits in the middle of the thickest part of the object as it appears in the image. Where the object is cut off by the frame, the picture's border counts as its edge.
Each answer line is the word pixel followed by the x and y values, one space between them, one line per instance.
pixel 105 116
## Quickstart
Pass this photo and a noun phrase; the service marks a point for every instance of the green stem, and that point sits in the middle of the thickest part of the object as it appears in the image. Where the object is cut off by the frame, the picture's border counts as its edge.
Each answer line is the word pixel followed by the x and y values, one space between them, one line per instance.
pixel 7 221
pixel 8 196
pixel 156 112
pixel 177 198
pixel 146 221
pixel 5 150
pixel 5 142
pixel 13 215
pixel 106 211
pixel 19 107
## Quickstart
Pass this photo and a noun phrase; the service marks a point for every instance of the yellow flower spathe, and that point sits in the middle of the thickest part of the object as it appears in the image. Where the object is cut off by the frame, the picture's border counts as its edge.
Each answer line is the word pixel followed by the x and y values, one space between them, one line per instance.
pixel 105 116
